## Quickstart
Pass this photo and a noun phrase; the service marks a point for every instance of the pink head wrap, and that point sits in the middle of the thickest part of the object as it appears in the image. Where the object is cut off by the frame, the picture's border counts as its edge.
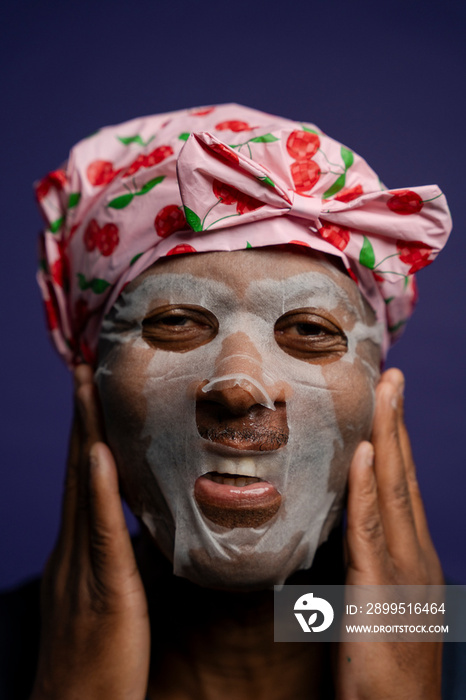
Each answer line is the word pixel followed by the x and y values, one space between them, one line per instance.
pixel 194 181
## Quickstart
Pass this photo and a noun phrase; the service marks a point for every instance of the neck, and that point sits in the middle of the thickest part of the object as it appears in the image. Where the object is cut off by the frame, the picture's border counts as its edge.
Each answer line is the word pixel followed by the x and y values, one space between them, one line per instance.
pixel 217 644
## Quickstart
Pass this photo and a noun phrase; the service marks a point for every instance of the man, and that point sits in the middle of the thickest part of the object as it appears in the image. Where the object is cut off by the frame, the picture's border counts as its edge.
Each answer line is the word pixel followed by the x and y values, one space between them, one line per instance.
pixel 239 392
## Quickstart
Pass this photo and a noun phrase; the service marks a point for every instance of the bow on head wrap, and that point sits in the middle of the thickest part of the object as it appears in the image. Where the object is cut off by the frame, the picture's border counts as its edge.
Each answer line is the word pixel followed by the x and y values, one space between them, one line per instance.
pixel 194 181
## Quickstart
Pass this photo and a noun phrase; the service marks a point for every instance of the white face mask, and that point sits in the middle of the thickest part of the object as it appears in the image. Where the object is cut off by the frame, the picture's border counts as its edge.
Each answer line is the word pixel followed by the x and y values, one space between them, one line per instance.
pixel 150 396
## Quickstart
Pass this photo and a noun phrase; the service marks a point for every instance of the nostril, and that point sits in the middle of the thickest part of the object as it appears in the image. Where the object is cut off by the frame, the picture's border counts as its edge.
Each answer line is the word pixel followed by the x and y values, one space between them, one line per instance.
pixel 248 384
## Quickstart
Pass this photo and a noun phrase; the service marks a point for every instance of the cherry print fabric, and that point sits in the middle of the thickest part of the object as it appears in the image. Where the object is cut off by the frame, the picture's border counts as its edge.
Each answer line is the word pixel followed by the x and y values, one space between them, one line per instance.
pixel 222 178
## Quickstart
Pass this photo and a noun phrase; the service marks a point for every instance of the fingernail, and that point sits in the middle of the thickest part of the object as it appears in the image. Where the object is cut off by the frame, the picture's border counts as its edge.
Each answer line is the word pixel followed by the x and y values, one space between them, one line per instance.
pixel 399 395
pixel 93 459
pixel 401 387
pixel 368 454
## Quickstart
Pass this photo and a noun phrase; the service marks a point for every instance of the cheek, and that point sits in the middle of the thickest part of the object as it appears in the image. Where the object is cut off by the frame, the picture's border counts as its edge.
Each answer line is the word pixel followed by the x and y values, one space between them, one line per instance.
pixel 121 385
pixel 354 403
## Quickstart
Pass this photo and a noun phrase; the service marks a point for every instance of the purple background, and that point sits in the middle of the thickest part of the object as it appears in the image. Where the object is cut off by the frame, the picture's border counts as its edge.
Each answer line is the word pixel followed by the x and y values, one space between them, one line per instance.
pixel 386 79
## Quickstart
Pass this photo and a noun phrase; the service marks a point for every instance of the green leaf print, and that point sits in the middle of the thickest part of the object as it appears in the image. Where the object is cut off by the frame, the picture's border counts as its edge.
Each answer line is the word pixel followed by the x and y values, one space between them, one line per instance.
pixel 193 219
pixel 56 225
pixel 397 326
pixel 307 128
pixel 265 138
pixel 248 245
pixel 336 187
pixel 121 202
pixel 347 157
pixel 74 199
pixel 267 181
pixel 149 185
pixel 367 255
pixel 97 285
pixel 127 140
pixel 184 136
pixel 136 257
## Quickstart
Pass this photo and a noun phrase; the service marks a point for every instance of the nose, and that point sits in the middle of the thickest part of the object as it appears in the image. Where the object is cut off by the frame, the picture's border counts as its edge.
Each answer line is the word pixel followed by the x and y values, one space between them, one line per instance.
pixel 239 380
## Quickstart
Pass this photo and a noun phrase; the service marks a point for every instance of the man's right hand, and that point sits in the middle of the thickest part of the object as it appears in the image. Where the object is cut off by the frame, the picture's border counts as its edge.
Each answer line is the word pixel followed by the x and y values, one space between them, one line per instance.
pixel 95 639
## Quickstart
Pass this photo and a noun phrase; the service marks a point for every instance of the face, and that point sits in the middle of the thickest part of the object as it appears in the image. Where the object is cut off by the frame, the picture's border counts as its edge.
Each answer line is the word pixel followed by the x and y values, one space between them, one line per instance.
pixel 235 388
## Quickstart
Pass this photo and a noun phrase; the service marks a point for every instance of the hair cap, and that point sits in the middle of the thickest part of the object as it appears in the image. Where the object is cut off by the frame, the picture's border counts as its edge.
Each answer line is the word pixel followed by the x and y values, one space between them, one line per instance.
pixel 222 178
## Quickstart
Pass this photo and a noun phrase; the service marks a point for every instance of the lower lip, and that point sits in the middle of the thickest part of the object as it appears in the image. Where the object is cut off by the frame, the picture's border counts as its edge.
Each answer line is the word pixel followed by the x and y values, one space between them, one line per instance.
pixel 237 506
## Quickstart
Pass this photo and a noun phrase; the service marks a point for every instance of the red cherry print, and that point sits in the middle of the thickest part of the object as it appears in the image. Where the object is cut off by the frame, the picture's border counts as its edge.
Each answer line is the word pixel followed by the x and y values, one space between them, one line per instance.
pixel 305 174
pixel 51 315
pixel 56 270
pixel 55 179
pixel 158 155
pixel 247 203
pixel 353 276
pixel 90 235
pixel 336 235
pixel 405 202
pixel 51 308
pixel 100 172
pixel 225 153
pixel 107 239
pixel 169 220
pixel 42 189
pixel 227 193
pixel 233 125
pixel 414 253
pixel 301 243
pixel 86 353
pixel 58 178
pixel 302 144
pixel 60 269
pixel 202 112
pixel 377 277
pixel 135 165
pixel 73 230
pixel 182 248
pixel 349 194
pixel 146 161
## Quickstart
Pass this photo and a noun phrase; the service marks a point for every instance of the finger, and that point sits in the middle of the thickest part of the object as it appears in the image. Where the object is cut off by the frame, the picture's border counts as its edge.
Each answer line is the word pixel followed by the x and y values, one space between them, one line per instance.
pixel 86 394
pixel 365 535
pixel 390 472
pixel 417 505
pixel 112 555
pixel 70 495
pixel 91 433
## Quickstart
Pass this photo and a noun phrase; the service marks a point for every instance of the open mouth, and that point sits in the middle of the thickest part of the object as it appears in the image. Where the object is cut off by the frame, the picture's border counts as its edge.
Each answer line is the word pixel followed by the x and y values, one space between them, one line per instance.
pixel 232 479
pixel 236 500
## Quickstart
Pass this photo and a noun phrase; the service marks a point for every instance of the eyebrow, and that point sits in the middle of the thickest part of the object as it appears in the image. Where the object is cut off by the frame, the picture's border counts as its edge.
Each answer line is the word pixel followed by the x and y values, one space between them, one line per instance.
pixel 178 288
pixel 325 293
pixel 312 288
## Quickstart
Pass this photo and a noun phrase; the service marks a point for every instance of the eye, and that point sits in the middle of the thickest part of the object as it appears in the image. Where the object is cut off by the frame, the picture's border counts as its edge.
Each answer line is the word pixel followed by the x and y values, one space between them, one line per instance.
pixel 307 335
pixel 179 328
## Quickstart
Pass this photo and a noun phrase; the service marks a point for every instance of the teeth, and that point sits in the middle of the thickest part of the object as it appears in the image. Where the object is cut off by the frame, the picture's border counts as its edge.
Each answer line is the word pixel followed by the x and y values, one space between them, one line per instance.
pixel 244 467
pixel 233 481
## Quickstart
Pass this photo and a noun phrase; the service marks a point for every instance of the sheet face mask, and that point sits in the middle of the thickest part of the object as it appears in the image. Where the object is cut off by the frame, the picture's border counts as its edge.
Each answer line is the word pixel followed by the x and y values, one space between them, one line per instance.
pixel 150 396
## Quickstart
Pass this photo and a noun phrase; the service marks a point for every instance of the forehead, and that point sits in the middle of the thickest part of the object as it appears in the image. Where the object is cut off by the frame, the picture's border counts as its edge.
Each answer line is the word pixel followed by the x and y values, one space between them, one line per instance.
pixel 238 269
